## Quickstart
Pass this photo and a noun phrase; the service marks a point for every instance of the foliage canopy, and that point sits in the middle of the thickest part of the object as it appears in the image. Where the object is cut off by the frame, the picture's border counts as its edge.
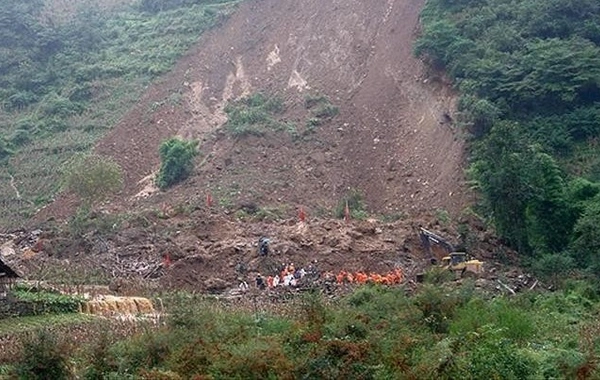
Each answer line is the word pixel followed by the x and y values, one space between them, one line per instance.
pixel 177 161
pixel 529 76
pixel 93 178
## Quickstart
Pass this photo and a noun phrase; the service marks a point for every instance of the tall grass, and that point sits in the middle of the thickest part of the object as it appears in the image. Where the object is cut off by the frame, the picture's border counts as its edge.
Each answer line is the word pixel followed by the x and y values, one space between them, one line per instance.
pixel 373 333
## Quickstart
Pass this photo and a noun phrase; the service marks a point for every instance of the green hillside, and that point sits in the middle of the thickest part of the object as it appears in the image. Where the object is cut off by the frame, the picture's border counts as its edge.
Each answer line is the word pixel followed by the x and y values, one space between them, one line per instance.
pixel 529 77
pixel 53 69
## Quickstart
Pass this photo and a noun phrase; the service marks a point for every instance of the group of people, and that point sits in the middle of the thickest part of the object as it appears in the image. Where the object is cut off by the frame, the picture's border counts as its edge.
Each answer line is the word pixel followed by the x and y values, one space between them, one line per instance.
pixel 292 276
pixel 289 276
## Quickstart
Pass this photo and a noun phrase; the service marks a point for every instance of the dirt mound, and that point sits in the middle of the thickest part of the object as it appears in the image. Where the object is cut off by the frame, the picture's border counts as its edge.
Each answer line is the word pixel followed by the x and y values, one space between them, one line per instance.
pixel 205 251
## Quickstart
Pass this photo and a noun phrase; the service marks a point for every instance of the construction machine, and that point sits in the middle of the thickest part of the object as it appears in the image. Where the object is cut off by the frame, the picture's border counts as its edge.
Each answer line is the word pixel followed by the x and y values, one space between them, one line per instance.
pixel 461 265
pixel 457 262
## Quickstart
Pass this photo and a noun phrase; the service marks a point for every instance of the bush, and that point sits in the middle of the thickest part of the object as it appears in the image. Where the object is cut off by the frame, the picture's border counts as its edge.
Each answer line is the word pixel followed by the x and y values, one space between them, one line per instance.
pixel 495 358
pixel 437 307
pixel 553 265
pixel 356 205
pixel 46 302
pixel 321 110
pixel 43 358
pixel 254 115
pixel 177 161
pixel 5 149
pixel 145 351
pixel 99 359
pixel 93 178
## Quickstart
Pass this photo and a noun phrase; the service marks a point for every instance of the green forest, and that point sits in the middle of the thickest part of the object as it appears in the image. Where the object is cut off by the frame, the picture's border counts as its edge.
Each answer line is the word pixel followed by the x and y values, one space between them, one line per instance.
pixel 528 73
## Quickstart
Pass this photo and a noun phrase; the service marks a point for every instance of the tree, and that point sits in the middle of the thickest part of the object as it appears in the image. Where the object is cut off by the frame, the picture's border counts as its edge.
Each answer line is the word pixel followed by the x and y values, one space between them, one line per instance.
pixel 177 161
pixel 523 188
pixel 498 172
pixel 93 178
pixel 550 217
pixel 586 243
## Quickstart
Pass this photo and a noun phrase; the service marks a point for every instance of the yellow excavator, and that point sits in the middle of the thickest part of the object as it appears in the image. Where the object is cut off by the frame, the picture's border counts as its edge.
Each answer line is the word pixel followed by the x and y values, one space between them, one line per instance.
pixel 458 262
pixel 461 265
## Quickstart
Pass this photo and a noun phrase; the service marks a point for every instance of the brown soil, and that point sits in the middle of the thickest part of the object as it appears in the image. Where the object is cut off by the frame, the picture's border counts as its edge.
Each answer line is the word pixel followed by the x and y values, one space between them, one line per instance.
pixel 393 141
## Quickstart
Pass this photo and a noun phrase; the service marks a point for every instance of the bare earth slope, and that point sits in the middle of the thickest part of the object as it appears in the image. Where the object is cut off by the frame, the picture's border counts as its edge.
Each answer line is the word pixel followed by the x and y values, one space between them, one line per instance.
pixel 393 141
pixel 390 140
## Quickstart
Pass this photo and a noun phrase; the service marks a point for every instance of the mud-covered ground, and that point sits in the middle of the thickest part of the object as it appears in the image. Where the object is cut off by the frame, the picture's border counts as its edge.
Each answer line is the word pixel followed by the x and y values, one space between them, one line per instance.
pixel 394 142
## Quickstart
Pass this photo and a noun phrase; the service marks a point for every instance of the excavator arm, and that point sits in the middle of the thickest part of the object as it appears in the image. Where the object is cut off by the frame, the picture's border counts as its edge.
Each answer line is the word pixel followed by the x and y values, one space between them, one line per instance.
pixel 428 237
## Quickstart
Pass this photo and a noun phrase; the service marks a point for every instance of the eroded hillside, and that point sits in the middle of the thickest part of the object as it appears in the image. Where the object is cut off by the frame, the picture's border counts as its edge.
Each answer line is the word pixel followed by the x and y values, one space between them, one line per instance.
pixel 392 140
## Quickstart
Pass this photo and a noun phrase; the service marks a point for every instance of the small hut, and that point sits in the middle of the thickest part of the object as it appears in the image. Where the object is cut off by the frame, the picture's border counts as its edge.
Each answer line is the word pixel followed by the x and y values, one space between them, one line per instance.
pixel 7 278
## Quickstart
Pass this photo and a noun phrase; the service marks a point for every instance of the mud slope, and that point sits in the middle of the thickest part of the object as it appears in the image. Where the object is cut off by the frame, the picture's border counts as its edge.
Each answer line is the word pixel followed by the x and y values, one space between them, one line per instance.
pixel 391 140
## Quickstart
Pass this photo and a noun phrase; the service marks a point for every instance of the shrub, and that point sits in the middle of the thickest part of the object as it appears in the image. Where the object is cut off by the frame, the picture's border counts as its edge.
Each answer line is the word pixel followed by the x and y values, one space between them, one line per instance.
pixel 177 161
pixel 56 105
pixel 92 177
pixel 144 351
pixel 43 358
pixel 553 265
pixel 46 302
pixel 437 307
pixel 5 149
pixel 354 200
pixel 495 358
pixel 254 115
pixel 20 137
pixel 313 100
pixel 320 108
pixel 100 360
pixel 326 111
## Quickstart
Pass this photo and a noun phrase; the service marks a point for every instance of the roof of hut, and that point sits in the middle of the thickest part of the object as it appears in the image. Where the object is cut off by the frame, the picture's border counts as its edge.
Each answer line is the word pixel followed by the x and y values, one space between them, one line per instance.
pixel 6 271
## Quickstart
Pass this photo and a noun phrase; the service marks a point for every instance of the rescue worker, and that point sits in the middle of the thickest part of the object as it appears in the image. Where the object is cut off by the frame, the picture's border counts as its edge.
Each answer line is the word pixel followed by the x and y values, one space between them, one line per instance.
pixel 260 282
pixel 263 246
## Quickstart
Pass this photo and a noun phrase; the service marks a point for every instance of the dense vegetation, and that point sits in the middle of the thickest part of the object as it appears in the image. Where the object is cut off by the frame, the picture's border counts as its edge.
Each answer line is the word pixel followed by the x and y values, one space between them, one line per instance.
pixel 373 333
pixel 53 68
pixel 529 76
pixel 176 161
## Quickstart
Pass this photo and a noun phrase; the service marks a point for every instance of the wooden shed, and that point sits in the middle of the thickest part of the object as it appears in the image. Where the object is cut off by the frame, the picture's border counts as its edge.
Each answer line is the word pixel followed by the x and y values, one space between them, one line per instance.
pixel 7 278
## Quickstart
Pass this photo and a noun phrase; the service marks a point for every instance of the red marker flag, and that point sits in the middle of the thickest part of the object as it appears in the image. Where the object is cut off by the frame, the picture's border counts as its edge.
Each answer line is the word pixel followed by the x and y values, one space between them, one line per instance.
pixel 302 214
pixel 167 260
pixel 209 200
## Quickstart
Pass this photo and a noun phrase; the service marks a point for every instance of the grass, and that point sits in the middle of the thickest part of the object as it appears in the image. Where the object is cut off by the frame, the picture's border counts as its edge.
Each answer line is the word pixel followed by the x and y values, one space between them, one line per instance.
pixel 132 49
pixel 255 115
pixel 374 332
pixel 24 324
